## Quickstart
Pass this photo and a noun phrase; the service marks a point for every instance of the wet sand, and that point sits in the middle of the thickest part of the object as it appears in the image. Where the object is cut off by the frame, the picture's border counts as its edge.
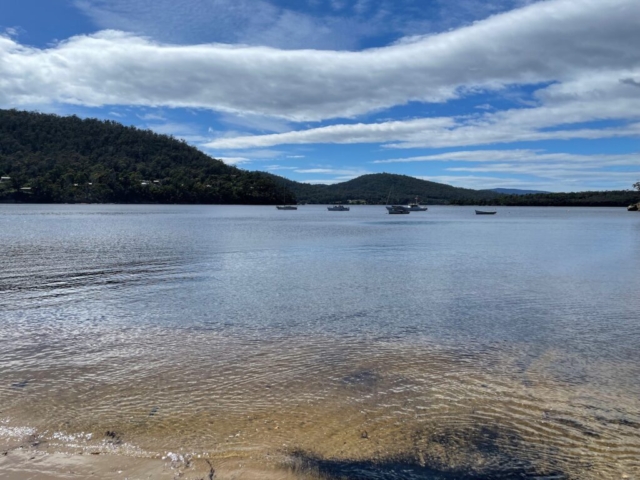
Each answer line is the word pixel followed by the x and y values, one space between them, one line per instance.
pixel 400 412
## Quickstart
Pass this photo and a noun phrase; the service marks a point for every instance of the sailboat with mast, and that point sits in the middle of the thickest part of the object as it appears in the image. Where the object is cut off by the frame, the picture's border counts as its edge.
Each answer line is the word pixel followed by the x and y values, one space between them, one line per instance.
pixel 284 205
pixel 396 209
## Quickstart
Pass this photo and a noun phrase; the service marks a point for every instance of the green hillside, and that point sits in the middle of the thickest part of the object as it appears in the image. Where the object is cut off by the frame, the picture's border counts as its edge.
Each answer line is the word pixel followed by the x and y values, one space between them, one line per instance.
pixel 48 158
pixel 614 198
pixel 376 188
pixel 56 159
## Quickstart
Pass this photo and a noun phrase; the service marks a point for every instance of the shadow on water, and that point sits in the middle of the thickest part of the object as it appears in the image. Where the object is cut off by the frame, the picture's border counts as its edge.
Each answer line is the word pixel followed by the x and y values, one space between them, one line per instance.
pixel 472 454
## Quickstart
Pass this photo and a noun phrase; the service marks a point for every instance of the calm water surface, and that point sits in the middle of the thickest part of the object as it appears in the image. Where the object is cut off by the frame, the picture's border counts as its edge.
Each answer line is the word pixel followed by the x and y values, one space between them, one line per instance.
pixel 433 345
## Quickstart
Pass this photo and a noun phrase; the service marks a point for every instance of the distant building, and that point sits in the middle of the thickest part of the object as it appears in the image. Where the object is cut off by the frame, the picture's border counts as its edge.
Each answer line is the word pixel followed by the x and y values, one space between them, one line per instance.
pixel 5 179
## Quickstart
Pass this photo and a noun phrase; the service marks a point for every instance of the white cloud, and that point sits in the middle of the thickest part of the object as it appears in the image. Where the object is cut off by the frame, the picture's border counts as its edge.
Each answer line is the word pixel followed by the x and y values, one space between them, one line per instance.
pixel 564 41
pixel 350 173
pixel 278 167
pixel 256 122
pixel 234 160
pixel 477 182
pixel 553 171
pixel 327 181
pixel 535 169
pixel 344 133
pixel 151 116
pixel 13 31
pixel 600 97
pixel 264 154
pixel 525 156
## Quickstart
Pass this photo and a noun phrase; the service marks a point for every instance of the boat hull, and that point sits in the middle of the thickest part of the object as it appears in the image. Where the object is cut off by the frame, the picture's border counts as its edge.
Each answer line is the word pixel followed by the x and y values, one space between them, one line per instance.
pixel 481 212
pixel 398 210
pixel 338 209
pixel 286 207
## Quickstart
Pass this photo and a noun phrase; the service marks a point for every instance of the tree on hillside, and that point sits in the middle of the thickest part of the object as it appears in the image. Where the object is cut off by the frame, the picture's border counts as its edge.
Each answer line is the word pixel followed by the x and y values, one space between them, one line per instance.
pixel 53 159
pixel 637 186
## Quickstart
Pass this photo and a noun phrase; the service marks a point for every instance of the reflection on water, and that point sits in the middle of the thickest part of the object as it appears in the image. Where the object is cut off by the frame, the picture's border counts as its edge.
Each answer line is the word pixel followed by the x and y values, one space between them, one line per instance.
pixel 440 346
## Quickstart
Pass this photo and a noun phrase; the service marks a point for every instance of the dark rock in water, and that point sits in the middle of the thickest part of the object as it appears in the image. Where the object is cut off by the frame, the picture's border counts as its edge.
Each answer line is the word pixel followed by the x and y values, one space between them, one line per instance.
pixel 114 437
pixel 21 384
pixel 153 411
pixel 634 207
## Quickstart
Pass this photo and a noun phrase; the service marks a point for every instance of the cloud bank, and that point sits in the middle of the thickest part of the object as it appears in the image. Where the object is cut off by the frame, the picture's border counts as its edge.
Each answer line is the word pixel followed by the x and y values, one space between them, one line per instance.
pixel 563 41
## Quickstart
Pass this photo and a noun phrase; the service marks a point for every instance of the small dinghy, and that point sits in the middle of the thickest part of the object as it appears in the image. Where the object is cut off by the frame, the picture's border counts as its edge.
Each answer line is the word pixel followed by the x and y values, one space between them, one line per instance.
pixel 484 212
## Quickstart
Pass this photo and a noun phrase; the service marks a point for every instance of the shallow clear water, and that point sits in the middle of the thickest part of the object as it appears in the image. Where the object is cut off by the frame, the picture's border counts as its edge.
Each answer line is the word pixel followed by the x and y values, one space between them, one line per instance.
pixel 442 340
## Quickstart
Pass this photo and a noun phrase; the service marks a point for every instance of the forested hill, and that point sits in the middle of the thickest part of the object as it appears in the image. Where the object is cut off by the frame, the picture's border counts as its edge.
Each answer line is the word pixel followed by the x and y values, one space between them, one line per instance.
pixel 378 188
pixel 48 158
pixel 55 159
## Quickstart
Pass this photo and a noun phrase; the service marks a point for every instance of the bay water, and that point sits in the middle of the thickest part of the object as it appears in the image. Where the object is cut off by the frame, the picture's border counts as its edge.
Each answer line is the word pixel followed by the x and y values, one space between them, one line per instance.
pixel 439 344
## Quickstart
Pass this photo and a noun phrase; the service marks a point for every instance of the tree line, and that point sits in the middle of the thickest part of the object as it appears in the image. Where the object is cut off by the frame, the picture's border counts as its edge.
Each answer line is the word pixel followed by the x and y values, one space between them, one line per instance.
pixel 382 188
pixel 49 158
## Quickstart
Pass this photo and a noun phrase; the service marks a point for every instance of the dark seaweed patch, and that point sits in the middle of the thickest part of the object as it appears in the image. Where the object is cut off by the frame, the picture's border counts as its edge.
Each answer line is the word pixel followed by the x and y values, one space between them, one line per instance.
pixel 466 453
pixel 403 469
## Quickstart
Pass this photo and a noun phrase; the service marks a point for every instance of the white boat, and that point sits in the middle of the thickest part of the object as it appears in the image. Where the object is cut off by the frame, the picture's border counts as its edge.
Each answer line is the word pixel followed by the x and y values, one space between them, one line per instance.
pixel 338 208
pixel 416 207
pixel 398 209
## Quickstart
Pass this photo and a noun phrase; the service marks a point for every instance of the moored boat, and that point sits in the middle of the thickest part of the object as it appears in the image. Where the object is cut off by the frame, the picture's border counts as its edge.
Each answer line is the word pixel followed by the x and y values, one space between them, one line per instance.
pixel 286 207
pixel 338 208
pixel 398 210
pixel 416 207
pixel 485 212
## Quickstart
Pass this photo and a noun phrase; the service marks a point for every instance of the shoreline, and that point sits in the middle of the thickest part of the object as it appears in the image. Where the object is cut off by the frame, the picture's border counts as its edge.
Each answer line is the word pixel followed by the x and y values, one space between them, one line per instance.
pixel 34 463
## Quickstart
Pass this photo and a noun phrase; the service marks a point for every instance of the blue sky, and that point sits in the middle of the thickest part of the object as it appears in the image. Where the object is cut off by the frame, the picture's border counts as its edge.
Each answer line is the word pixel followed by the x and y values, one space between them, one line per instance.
pixel 473 93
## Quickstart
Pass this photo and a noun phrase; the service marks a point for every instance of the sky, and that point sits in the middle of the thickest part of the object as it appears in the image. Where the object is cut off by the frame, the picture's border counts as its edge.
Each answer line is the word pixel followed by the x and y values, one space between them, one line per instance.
pixel 541 95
